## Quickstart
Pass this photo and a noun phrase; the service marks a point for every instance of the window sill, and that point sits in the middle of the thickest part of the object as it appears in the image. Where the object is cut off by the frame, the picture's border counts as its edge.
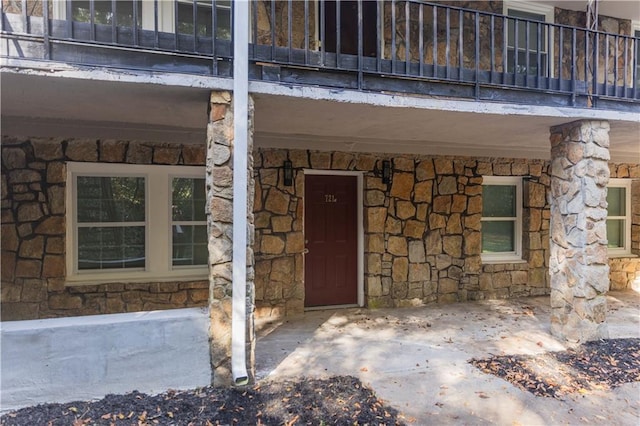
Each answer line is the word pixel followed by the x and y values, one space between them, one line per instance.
pixel 622 255
pixel 179 276
pixel 502 260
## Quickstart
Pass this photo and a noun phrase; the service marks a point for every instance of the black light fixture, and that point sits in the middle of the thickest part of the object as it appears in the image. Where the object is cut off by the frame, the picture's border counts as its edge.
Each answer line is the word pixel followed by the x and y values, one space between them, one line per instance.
pixel 288 173
pixel 385 173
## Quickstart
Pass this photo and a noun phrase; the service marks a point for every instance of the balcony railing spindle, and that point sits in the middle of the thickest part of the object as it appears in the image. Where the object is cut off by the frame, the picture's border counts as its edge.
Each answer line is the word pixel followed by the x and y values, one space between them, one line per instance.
pixel 338 31
pixel 114 22
pixel 194 17
pixel 274 42
pixel 626 63
pixel 435 41
pixel 460 44
pixel 290 29
pixel 379 37
pixel 47 28
pixel 407 39
pixel 447 47
pixel 477 54
pixel 605 89
pixel 360 46
pixel 421 39
pixel 156 37
pixel 306 31
pixel 492 47
pixel 393 36
pixel 176 26
pixel 92 20
pixel 136 19
pixel 323 36
pixel 25 17
pixel 596 41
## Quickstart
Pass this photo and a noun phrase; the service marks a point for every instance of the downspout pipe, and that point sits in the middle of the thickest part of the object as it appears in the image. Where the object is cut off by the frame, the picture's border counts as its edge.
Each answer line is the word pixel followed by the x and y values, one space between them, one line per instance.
pixel 240 180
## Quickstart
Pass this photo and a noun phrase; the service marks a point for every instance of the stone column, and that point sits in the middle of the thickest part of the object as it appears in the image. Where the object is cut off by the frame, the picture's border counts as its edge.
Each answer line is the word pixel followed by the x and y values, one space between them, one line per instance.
pixel 578 262
pixel 219 183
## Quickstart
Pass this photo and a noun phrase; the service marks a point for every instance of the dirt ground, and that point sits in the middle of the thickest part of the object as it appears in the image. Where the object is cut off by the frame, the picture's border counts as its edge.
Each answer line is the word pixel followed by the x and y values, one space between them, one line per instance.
pixel 335 401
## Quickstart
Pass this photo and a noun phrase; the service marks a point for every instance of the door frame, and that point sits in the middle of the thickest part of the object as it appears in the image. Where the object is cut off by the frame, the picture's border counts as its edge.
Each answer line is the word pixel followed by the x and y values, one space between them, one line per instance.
pixel 360 213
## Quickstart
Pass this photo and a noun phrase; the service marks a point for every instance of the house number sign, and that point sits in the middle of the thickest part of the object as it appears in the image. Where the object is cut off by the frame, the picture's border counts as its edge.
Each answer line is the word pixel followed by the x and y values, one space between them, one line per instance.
pixel 330 198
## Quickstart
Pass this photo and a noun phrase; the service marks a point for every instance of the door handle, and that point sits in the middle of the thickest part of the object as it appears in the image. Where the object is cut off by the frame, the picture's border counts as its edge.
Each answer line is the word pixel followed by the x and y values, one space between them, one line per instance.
pixel 305 251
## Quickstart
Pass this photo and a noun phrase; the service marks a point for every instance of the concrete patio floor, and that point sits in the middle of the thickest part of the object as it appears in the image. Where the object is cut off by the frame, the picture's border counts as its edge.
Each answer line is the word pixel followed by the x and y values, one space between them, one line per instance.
pixel 415 359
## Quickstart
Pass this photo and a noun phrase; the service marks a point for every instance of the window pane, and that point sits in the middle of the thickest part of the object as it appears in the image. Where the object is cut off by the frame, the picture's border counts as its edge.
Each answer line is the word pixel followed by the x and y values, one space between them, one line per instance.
pixel 223 19
pixel 522 29
pixel 616 197
pixel 188 200
pixel 118 247
pixel 615 233
pixel 103 12
pixel 498 201
pixel 498 237
pixel 190 245
pixel 110 199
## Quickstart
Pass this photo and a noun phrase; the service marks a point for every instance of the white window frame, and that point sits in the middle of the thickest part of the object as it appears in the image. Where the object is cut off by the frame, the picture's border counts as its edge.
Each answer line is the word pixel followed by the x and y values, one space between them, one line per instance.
pixel 635 32
pixel 539 9
pixel 510 256
pixel 626 249
pixel 158 217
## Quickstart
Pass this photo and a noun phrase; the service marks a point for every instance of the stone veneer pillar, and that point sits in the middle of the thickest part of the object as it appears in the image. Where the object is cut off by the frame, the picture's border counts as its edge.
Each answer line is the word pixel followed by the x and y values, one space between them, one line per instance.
pixel 578 261
pixel 219 187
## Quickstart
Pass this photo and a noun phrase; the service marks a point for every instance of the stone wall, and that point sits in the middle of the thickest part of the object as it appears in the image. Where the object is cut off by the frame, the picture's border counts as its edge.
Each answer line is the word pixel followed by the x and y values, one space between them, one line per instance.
pixel 33 230
pixel 607 24
pixel 422 232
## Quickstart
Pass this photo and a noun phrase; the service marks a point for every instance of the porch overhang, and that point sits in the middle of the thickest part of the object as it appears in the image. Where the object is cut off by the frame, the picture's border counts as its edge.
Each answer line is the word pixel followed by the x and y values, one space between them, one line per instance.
pixel 93 102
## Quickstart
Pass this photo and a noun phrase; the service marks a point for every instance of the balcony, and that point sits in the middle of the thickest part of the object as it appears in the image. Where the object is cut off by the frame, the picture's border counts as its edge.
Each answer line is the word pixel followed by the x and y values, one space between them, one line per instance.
pixel 409 47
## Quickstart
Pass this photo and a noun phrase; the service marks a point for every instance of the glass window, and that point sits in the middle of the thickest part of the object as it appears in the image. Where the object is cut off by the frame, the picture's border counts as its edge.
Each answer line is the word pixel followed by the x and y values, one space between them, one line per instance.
pixel 189 224
pixel 204 19
pixel 501 218
pixel 527 23
pixel 136 222
pixel 619 216
pixel 105 12
pixel 111 222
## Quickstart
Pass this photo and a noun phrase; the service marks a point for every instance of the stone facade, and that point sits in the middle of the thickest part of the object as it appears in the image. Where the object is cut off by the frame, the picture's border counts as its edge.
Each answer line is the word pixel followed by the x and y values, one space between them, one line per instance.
pixel 606 24
pixel 220 152
pixel 422 232
pixel 579 266
pixel 33 230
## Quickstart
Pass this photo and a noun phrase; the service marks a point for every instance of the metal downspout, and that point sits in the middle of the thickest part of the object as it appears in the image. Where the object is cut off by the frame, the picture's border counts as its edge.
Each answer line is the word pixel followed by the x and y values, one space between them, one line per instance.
pixel 240 123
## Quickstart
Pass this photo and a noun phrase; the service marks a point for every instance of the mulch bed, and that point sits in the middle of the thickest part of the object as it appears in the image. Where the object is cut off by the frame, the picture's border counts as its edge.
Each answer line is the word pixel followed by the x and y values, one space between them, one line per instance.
pixel 593 366
pixel 336 401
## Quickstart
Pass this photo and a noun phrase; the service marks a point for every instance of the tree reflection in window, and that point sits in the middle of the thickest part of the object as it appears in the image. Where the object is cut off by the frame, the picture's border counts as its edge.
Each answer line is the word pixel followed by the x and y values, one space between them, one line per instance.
pixel 110 221
pixel 188 222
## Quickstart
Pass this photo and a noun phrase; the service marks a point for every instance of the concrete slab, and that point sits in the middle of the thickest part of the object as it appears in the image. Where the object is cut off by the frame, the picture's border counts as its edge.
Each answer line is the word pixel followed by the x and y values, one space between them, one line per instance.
pixel 416 359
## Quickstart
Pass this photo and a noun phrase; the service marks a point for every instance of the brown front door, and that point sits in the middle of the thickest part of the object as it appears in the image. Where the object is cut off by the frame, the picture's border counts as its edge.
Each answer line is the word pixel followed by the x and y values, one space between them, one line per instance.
pixel 331 231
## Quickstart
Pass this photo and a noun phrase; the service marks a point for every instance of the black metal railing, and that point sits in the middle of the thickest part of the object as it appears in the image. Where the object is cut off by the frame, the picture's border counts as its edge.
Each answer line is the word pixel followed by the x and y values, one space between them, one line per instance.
pixel 182 35
pixel 411 46
pixel 433 42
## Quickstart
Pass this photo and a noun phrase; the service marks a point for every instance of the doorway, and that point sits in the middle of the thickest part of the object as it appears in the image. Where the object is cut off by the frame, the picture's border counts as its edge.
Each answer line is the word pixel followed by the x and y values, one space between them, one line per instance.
pixel 347 27
pixel 332 263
